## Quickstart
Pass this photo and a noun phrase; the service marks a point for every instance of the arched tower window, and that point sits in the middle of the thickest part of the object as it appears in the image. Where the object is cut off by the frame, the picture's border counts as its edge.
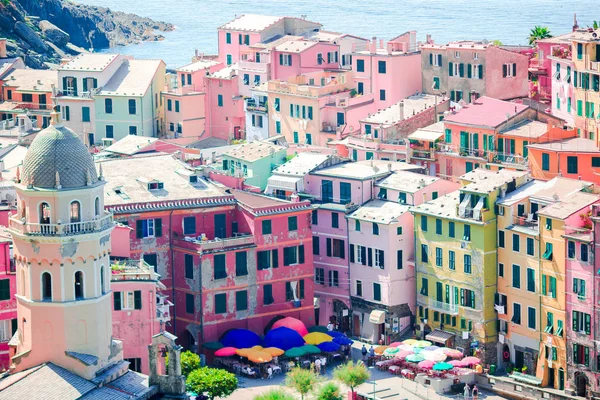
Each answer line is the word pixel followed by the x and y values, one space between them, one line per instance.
pixel 102 287
pixel 78 285
pixel 22 283
pixel 97 206
pixel 75 212
pixel 46 286
pixel 44 213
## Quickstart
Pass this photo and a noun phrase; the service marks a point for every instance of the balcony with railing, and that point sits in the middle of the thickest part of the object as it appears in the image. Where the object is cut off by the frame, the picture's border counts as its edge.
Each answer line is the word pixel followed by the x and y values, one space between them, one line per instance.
pixel 528 222
pixel 132 270
pixel 423 154
pixel 203 244
pixel 436 305
pixel 466 152
pixel 254 67
pixel 59 229
pixel 256 106
pixel 510 160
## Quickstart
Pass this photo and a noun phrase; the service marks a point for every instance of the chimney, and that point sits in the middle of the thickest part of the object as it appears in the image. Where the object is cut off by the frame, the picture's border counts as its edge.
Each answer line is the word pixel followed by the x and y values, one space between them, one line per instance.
pixel 381 43
pixel 401 107
pixel 389 167
pixel 2 48
pixel 373 48
pixel 428 38
pixel 575 25
pixel 294 198
pixel 213 157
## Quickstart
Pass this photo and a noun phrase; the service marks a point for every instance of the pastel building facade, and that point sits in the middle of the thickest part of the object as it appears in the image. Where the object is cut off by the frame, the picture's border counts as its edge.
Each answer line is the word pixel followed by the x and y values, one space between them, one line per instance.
pixel 456 263
pixel 388 71
pixel 542 68
pixel 468 70
pixel 224 105
pixel 8 302
pixel 257 114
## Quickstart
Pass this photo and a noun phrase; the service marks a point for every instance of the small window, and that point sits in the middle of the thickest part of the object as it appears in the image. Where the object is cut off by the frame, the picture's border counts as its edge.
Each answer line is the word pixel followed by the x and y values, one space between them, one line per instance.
pixel 189 303
pixel 266 227
pixel 132 106
pixel 292 224
pixel 375 229
pixel 381 67
pixel 220 303
pixel 335 220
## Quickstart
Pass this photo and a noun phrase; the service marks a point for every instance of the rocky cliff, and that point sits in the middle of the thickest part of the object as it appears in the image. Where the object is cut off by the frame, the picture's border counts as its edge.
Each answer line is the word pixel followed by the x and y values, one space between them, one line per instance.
pixel 44 31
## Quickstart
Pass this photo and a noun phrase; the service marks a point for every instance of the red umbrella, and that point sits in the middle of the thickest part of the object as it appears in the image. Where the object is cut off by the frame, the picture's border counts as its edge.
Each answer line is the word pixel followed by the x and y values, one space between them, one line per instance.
pixel 292 323
pixel 402 354
pixel 471 360
pixel 225 352
pixel 395 344
pixel 456 363
pixel 452 353
pixel 427 364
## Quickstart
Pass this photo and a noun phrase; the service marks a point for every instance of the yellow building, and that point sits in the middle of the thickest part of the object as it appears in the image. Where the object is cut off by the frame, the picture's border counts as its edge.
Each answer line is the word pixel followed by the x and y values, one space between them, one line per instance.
pixel 456 262
pixel 586 81
pixel 520 283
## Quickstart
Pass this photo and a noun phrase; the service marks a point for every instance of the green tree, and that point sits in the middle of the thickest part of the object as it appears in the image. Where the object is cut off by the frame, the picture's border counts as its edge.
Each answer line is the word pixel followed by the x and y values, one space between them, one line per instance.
pixel 352 375
pixel 596 24
pixel 189 362
pixel 212 382
pixel 275 394
pixel 537 33
pixel 497 43
pixel 302 380
pixel 330 391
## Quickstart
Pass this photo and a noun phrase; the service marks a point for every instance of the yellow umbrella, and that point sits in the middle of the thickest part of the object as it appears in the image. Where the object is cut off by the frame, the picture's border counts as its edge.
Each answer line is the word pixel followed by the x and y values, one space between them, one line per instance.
pixel 422 343
pixel 258 356
pixel 410 342
pixel 242 352
pixel 273 351
pixel 259 348
pixel 316 338
pixel 380 349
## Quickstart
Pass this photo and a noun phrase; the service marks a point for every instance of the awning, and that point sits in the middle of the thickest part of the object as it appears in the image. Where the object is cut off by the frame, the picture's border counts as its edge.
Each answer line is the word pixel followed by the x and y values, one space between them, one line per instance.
pixel 377 317
pixel 316 302
pixel 439 336
pixel 286 183
pixel 426 135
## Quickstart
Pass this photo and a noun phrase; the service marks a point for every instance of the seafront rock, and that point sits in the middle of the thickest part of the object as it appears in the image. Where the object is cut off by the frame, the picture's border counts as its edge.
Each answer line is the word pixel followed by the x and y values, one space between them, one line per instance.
pixel 30 36
pixel 54 34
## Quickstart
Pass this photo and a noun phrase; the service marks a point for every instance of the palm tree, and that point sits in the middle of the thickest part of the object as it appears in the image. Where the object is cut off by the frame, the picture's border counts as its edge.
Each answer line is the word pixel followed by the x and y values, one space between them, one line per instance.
pixel 539 32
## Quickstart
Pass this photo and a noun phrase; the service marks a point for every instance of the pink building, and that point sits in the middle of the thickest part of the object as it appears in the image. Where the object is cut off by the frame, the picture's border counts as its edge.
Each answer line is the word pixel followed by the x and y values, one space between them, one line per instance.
pixel 8 304
pixel 300 57
pixel 237 37
pixel 390 72
pixel 184 105
pixel 224 105
pixel 382 266
pixel 140 311
pixel 541 68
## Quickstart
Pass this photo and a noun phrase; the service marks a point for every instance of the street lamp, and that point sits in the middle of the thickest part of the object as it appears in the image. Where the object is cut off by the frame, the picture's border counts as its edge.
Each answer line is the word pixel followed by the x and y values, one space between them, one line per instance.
pixel 373 381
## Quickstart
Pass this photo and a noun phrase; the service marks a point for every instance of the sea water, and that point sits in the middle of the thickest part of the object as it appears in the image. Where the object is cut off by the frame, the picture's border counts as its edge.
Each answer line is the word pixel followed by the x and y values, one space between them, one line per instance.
pixel 197 21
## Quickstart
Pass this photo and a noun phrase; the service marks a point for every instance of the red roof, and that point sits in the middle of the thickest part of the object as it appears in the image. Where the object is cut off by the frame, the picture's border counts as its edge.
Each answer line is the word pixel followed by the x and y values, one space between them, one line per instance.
pixel 487 112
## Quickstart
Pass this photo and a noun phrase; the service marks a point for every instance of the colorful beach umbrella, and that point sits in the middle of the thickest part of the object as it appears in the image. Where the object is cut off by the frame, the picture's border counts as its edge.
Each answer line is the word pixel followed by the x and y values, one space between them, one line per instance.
pixel 390 351
pixel 343 340
pixel 432 348
pixel 422 343
pixel 406 347
pixel 295 352
pixel 471 360
pixel 283 338
pixel 456 363
pixel 225 352
pixel 426 364
pixel 243 352
pixel 401 355
pixel 311 349
pixel 273 351
pixel 409 342
pixel 415 358
pixel 434 355
pixel 317 338
pixel 380 349
pixel 256 348
pixel 335 333
pixel 452 353
pixel 442 366
pixel 259 356
pixel 396 344
pixel 329 347
pixel 417 350
pixel 292 323
pixel 317 328
pixel 240 339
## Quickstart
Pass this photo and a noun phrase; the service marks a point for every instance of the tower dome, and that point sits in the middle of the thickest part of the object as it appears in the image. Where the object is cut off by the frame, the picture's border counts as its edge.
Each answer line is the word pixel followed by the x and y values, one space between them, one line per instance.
pixel 57 158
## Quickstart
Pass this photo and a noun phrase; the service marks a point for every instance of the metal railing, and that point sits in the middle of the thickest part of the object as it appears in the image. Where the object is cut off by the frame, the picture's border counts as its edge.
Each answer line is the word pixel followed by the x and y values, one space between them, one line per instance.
pixel 513 159
pixel 436 305
pixel 72 228
pixel 527 222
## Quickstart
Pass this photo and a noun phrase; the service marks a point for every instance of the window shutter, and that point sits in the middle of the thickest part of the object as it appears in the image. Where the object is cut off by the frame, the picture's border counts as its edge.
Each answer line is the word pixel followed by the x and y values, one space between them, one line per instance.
pixel 138 229
pixel 430 58
pixel 328 247
pixel 504 70
pixel 351 253
pixel 117 301
pixel 85 88
pixel 343 250
pixel 95 83
pixel 363 255
pixel 301 254
pixel 469 70
pixel 275 258
pixel 461 70
pixel 137 299
pixel 370 257
pixel 480 69
pixel 65 83
pixel 381 258
pixel 472 299
pixel 575 321
pixel 14 325
pixel 587 323
pixel 75 86
pixel 514 67
pixel 450 69
pixel 290 60
pixel 330 278
pixel 281 59
pixel 158 227
pixel 439 60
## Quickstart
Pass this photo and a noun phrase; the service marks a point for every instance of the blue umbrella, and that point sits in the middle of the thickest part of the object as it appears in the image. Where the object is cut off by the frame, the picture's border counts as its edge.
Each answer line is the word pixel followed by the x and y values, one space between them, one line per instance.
pixel 343 340
pixel 335 334
pixel 240 339
pixel 283 338
pixel 329 346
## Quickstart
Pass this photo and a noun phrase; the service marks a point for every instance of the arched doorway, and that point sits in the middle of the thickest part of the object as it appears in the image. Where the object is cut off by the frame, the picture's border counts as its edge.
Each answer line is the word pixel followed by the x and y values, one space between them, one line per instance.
pixel 426 331
pixel 580 385
pixel 341 316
